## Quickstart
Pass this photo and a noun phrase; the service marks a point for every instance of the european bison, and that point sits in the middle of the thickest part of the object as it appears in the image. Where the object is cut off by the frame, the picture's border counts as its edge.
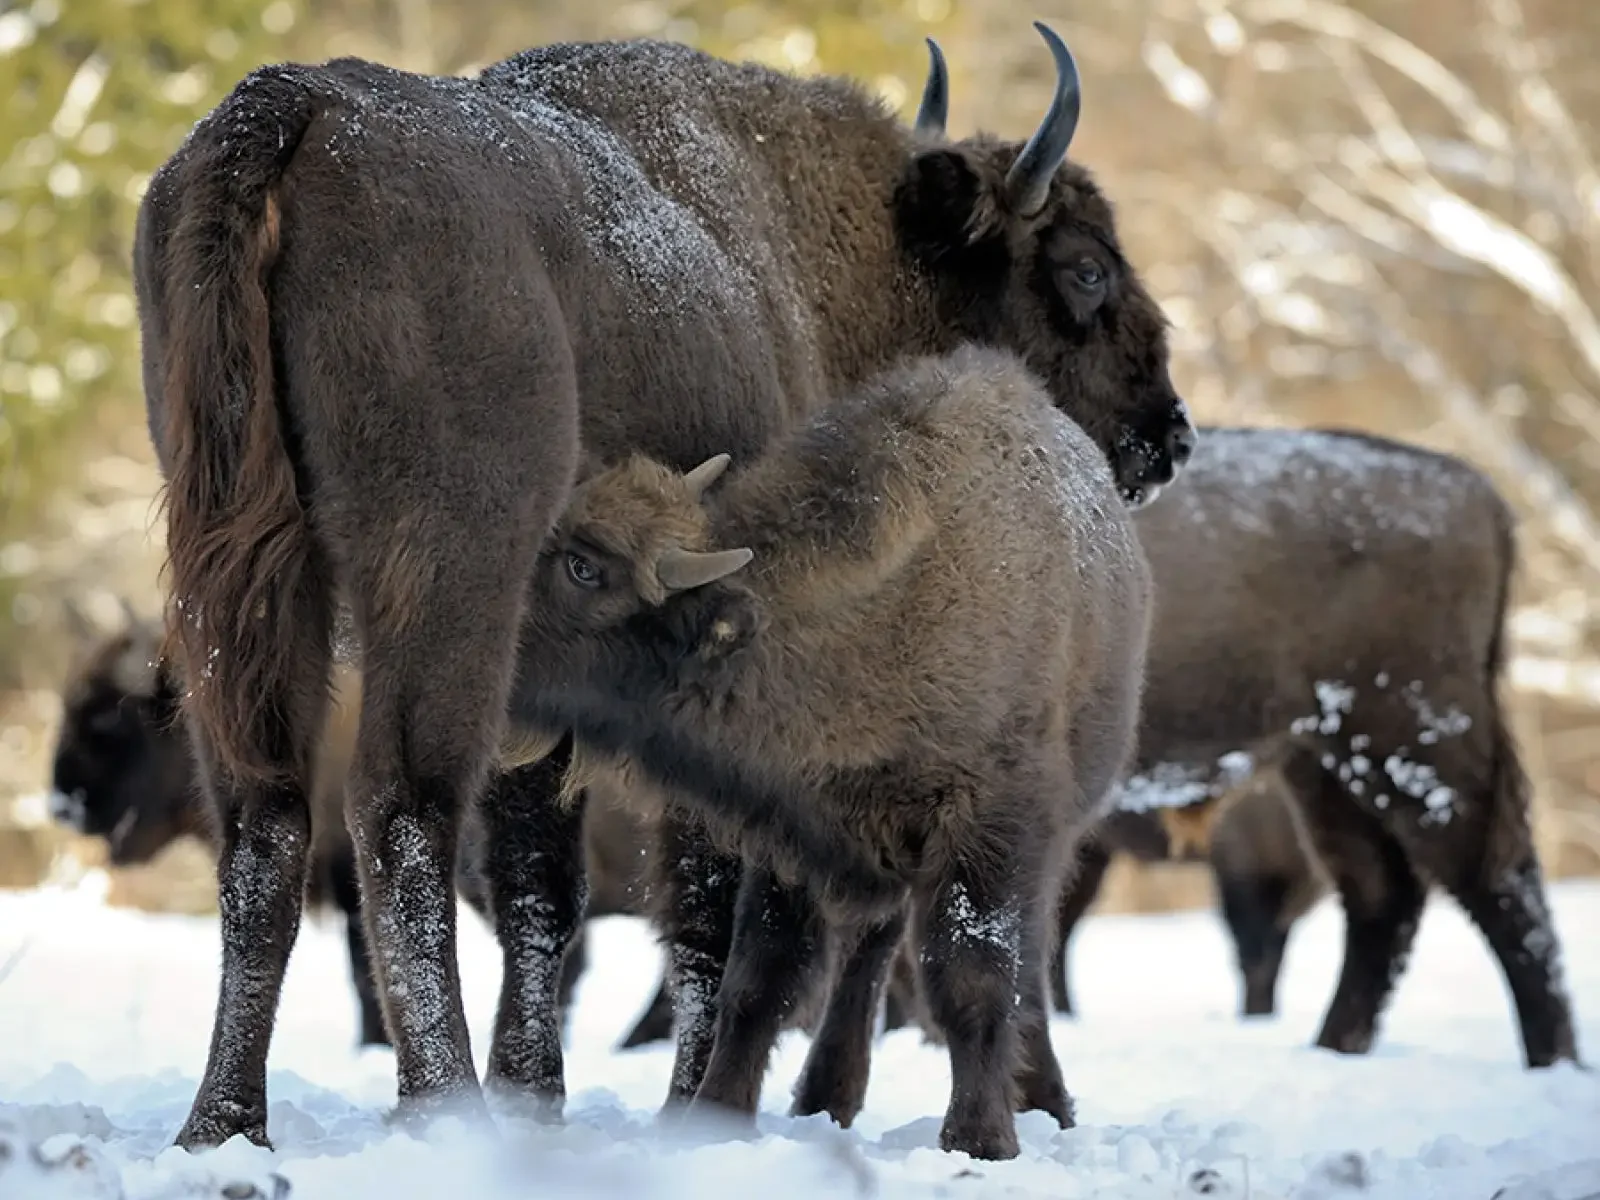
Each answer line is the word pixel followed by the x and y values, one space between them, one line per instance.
pixel 123 772
pixel 1349 637
pixel 384 315
pixel 926 683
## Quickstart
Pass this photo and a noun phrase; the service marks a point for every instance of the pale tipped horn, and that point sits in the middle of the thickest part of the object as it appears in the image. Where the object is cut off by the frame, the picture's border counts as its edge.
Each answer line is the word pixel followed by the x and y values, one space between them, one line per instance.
pixel 935 107
pixel 707 473
pixel 681 569
pixel 1028 181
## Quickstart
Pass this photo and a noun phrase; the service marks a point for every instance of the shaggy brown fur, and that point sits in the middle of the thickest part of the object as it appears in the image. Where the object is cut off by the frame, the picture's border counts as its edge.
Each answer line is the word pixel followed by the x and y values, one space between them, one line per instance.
pixel 927 681
pixel 378 312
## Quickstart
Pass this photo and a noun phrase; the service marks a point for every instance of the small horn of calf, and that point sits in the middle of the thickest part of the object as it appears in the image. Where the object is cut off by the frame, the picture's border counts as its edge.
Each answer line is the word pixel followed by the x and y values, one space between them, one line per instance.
pixel 1028 181
pixel 935 107
pixel 707 473
pixel 681 569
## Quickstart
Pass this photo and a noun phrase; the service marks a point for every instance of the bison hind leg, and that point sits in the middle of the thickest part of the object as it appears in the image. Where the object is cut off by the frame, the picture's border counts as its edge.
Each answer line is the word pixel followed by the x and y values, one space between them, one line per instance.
pixel 264 839
pixel 1380 892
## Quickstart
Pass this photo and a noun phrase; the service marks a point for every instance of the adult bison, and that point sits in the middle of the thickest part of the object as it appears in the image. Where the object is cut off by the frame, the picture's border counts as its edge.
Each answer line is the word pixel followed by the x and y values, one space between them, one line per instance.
pixel 384 318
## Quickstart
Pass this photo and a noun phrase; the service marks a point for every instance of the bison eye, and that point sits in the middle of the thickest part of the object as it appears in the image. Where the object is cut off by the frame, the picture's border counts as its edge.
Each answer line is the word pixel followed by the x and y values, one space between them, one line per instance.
pixel 1086 274
pixel 583 572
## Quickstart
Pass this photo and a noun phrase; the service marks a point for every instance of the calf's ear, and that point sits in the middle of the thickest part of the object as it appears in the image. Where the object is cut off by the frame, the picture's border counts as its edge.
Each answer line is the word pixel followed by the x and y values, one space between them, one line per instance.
pixel 709 625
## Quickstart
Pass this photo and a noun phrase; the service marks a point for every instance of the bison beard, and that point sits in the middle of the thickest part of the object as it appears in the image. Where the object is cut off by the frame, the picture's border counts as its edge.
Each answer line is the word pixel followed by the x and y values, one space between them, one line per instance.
pixel 385 316
pixel 925 683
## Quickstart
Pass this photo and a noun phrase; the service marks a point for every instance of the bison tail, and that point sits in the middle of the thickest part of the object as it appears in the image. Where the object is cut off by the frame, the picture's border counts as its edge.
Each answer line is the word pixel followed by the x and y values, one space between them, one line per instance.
pixel 1510 840
pixel 238 545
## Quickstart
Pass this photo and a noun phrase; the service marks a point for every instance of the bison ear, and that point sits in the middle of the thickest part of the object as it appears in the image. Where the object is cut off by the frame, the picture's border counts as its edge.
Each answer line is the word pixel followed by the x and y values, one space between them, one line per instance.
pixel 944 205
pixel 708 625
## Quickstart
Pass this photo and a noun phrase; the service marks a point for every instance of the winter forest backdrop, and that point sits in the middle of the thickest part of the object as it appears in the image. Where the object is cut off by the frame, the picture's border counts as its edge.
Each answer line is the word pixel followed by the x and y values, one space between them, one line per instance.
pixel 1381 213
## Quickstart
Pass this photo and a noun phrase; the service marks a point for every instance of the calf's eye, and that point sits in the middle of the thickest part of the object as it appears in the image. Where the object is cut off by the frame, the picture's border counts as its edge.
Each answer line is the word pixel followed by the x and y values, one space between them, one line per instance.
pixel 583 572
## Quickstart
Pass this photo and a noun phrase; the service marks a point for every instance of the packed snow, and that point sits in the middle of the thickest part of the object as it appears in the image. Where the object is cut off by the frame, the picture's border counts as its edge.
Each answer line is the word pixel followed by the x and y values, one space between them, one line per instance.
pixel 105 1015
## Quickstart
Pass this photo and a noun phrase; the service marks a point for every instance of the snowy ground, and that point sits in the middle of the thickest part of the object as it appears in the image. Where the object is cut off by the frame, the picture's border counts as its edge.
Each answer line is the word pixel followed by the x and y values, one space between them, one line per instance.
pixel 105 1015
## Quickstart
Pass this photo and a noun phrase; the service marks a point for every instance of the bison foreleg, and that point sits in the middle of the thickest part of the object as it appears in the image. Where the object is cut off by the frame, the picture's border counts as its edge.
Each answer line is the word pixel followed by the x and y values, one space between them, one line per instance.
pixel 777 941
pixel 347 895
pixel 538 889
pixel 696 891
pixel 1253 907
pixel 971 935
pixel 834 1078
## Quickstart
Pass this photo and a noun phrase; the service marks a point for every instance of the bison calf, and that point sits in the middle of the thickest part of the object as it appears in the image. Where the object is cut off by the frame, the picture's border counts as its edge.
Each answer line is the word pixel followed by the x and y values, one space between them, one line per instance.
pixel 926 682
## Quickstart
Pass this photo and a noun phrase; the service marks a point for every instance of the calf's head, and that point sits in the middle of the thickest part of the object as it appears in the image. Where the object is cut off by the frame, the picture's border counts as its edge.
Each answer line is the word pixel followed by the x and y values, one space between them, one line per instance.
pixel 630 592
pixel 121 767
pixel 1023 249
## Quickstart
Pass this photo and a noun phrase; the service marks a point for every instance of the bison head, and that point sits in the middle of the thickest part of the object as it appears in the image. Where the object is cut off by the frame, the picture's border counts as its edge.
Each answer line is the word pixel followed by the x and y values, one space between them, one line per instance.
pixel 629 595
pixel 1023 250
pixel 121 769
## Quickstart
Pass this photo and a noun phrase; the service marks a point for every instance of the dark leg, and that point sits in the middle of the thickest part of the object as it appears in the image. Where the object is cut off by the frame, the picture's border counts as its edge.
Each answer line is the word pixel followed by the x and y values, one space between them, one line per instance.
pixel 1253 908
pixel 347 895
pixel 1039 1082
pixel 539 889
pixel 834 1079
pixel 656 1023
pixel 696 894
pixel 1382 899
pixel 1511 911
pixel 970 928
pixel 777 942
pixel 264 835
pixel 1077 895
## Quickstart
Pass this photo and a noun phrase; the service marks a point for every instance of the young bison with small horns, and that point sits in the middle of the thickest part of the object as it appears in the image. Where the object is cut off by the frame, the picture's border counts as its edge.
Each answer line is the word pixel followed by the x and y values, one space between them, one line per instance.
pixel 884 700
pixel 383 318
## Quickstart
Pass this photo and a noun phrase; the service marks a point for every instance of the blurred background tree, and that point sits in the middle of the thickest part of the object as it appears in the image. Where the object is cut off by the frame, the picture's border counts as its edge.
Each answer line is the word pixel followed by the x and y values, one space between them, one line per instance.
pixel 1375 213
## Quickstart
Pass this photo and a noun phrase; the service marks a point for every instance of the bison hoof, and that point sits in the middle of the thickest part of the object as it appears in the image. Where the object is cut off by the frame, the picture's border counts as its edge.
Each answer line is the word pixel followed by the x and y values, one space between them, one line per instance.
pixel 1049 1098
pixel 211 1124
pixel 416 1114
pixel 544 1106
pixel 980 1141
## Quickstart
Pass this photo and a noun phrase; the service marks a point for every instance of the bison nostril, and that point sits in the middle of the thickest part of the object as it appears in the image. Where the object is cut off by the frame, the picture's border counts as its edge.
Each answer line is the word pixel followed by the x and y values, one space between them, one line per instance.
pixel 1180 443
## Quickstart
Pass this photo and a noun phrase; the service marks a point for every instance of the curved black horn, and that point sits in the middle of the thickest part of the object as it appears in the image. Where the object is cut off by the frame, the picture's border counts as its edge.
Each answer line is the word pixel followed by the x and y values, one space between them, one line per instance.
pixel 935 108
pixel 1028 181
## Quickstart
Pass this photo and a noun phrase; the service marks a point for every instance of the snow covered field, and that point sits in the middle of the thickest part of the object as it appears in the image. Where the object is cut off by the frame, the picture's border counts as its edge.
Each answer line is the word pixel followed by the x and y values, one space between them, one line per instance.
pixel 105 1015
